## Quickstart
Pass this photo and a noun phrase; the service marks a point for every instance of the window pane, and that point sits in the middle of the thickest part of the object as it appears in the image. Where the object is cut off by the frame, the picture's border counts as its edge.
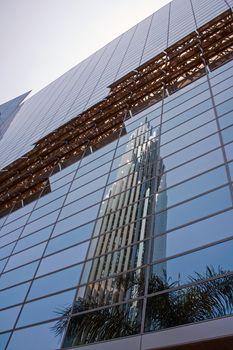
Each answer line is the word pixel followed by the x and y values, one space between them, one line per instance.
pixel 36 338
pixel 203 232
pixel 18 275
pixel 191 188
pixel 25 256
pixel 114 322
pixel 45 308
pixel 8 318
pixel 194 304
pixel 70 238
pixel 65 258
pixel 55 282
pixel 14 295
pixel 202 264
pixel 194 209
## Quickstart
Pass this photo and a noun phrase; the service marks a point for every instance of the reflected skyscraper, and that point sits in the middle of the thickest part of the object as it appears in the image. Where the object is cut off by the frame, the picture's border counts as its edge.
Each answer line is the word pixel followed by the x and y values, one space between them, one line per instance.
pixel 126 219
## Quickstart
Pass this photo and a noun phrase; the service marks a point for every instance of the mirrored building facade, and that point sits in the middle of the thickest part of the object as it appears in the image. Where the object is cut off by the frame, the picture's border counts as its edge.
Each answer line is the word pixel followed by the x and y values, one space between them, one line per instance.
pixel 116 198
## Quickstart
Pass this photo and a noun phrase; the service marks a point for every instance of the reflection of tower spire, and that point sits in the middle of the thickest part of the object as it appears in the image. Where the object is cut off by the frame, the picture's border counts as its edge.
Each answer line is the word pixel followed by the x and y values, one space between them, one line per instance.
pixel 127 203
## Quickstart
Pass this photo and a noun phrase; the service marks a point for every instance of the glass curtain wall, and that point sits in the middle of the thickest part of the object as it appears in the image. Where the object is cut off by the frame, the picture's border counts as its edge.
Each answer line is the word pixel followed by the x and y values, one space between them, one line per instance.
pixel 135 236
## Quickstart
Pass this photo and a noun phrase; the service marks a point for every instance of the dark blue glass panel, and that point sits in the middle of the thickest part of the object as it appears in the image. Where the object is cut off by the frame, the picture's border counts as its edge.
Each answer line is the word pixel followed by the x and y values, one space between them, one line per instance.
pixel 14 295
pixel 40 223
pixel 82 203
pixel 227 134
pixel 36 338
pixel 18 275
pixel 231 170
pixel 129 316
pixel 191 152
pixel 8 238
pixel 192 210
pixel 70 238
pixel 46 209
pixel 33 239
pixel 65 258
pixel 8 318
pixel 2 264
pixel 25 256
pixel 188 139
pixel 202 264
pixel 226 120
pixel 46 308
pixel 55 282
pixel 193 168
pixel 187 126
pixel 225 107
pixel 6 251
pixel 192 236
pixel 190 106
pixel 3 340
pixel 76 220
pixel 192 188
pixel 197 303
pixel 229 151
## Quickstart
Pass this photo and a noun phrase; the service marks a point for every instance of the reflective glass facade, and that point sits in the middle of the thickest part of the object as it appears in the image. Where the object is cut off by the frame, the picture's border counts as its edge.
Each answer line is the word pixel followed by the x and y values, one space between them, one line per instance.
pixel 135 237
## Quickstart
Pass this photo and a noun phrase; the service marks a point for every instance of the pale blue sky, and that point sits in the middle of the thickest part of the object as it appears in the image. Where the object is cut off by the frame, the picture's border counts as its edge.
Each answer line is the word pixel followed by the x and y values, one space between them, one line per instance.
pixel 42 39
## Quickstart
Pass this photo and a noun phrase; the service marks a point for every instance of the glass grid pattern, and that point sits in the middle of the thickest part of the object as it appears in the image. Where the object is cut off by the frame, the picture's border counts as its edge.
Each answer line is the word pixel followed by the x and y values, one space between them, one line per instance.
pixel 145 220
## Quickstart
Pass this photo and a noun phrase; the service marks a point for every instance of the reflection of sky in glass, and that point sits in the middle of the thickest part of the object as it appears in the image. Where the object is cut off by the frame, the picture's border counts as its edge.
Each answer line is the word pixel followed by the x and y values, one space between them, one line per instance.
pixel 36 338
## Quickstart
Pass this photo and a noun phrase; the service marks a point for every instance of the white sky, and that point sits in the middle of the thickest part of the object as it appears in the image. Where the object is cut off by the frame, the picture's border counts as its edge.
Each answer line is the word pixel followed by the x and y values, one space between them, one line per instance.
pixel 42 39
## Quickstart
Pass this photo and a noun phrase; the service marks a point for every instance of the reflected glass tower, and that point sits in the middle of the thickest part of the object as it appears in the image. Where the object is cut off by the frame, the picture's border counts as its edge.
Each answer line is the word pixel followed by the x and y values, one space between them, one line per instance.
pixel 116 196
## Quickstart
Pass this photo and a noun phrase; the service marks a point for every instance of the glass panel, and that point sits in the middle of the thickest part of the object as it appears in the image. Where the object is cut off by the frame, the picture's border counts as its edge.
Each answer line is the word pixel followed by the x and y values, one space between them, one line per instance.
pixel 231 170
pixel 115 262
pixel 113 290
pixel 2 264
pixel 191 188
pixel 55 282
pixel 82 203
pixel 8 238
pixel 18 275
pixel 194 304
pixel 85 190
pixel 188 139
pixel 3 340
pixel 225 107
pixel 229 151
pixel 65 258
pixel 190 106
pixel 26 256
pixel 187 126
pixel 6 251
pixel 226 120
pixel 45 209
pixel 40 223
pixel 36 338
pixel 202 264
pixel 110 323
pixel 45 308
pixel 33 239
pixel 70 238
pixel 203 232
pixel 191 152
pixel 14 295
pixel 192 210
pixel 76 220
pixel 227 134
pixel 8 318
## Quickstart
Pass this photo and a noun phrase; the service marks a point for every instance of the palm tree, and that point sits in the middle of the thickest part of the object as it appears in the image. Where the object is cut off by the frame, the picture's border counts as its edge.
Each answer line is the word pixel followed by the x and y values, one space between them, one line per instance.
pixel 209 299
